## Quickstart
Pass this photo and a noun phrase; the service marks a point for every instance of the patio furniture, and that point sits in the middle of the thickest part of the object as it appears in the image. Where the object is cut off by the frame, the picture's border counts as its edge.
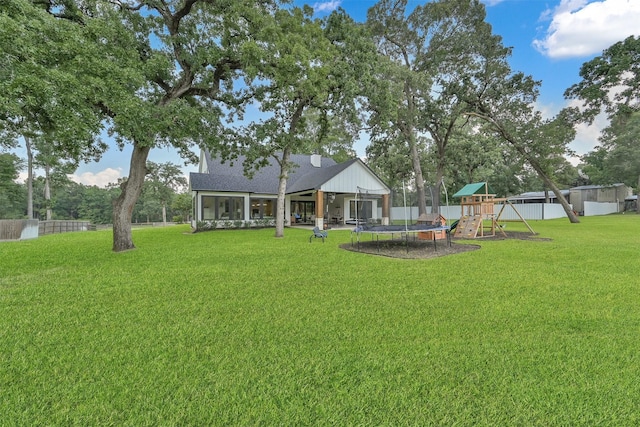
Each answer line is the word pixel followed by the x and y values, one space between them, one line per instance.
pixel 318 234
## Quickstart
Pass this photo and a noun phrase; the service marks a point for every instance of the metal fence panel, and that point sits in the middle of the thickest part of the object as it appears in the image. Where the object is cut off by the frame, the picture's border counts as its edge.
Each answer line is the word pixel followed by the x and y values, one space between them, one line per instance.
pixel 599 208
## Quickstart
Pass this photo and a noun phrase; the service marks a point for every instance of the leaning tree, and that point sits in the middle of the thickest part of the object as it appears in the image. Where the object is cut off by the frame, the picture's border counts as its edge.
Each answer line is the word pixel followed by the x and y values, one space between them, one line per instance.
pixel 510 115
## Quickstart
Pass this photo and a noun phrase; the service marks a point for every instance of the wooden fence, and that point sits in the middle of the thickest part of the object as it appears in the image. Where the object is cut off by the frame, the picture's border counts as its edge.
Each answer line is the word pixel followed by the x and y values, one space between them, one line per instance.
pixel 18 229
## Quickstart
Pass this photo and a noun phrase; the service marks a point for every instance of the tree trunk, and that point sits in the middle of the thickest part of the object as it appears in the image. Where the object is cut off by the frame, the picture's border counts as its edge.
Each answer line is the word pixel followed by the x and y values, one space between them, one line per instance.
pixel 409 132
pixel 638 199
pixel 441 144
pixel 124 204
pixel 27 142
pixel 435 204
pixel 282 189
pixel 164 213
pixel 573 218
pixel 47 192
pixel 417 170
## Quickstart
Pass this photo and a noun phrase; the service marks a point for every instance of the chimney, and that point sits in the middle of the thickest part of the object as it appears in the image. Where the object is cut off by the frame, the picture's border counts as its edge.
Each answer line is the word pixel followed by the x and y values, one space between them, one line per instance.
pixel 316 160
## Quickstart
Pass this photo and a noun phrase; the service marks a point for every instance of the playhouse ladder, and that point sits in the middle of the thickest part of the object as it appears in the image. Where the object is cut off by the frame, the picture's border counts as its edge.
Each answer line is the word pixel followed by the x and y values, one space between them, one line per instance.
pixel 468 226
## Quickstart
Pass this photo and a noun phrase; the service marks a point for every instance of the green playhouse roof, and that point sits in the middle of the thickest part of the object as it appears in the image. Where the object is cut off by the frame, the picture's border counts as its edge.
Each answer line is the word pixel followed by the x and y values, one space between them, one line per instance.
pixel 474 188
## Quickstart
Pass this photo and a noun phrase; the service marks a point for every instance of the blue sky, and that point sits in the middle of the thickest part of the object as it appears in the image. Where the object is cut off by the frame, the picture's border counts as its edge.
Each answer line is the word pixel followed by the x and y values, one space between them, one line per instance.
pixel 551 39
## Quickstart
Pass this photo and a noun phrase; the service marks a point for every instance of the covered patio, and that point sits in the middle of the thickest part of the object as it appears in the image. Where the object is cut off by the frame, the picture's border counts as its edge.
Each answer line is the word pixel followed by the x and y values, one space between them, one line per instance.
pixel 328 209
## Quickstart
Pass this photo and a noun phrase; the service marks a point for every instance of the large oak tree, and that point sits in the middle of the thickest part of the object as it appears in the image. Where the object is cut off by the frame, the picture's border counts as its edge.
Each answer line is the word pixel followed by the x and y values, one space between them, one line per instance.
pixel 158 73
pixel 191 53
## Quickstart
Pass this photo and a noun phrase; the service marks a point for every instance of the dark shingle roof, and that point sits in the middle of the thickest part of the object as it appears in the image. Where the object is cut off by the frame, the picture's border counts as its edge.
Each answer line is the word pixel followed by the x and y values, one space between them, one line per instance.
pixel 229 176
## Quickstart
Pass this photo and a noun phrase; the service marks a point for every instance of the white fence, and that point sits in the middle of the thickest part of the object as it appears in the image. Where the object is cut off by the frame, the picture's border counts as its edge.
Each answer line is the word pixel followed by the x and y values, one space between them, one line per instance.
pixel 529 211
pixel 532 211
pixel 598 208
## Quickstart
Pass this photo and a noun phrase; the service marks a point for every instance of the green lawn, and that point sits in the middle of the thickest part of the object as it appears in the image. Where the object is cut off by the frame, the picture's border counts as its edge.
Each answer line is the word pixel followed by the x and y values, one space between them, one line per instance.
pixel 240 328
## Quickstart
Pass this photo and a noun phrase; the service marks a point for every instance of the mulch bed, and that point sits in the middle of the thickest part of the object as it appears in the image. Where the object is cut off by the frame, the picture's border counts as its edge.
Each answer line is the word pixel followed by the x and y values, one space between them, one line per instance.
pixel 424 249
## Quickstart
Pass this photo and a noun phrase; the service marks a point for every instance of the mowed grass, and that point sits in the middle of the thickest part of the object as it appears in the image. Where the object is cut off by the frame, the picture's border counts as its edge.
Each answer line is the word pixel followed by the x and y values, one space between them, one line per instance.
pixel 240 328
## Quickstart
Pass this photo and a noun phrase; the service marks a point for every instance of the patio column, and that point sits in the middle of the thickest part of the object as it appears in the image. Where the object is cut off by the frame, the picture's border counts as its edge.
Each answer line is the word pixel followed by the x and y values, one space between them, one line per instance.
pixel 320 209
pixel 385 209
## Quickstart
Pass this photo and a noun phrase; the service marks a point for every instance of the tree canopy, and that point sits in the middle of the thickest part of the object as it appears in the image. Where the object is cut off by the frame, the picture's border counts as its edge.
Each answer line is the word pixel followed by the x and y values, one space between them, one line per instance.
pixel 439 53
pixel 314 73
pixel 610 85
pixel 432 84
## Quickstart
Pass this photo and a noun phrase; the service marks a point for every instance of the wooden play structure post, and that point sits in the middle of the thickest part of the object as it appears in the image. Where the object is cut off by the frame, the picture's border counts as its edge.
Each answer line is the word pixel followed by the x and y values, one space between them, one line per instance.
pixel 508 202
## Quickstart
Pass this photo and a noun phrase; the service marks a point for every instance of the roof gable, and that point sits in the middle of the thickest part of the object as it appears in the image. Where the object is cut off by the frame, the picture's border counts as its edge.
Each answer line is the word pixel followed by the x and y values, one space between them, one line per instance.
pixel 357 175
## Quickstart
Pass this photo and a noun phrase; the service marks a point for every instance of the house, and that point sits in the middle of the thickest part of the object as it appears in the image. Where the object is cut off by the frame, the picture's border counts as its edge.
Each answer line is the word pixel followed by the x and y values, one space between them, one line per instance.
pixel 319 192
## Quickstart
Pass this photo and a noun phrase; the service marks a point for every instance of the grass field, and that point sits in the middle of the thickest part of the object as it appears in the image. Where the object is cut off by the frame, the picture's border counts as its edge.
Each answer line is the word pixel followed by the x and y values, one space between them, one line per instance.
pixel 240 328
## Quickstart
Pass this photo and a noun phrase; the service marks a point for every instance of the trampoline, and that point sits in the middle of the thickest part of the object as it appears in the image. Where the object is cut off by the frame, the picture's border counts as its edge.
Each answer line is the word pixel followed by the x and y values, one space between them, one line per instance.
pixel 403 230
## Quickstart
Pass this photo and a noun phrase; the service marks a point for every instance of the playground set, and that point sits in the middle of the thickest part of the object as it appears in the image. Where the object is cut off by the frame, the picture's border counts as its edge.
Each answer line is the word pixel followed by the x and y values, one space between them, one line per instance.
pixel 478 217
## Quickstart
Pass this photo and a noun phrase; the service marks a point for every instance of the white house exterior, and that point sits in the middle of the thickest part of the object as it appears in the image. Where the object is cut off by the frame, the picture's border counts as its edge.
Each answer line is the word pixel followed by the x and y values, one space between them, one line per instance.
pixel 319 192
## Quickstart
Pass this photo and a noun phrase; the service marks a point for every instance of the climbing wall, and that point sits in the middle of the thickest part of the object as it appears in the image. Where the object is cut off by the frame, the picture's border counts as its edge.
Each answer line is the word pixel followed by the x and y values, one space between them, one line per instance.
pixel 468 226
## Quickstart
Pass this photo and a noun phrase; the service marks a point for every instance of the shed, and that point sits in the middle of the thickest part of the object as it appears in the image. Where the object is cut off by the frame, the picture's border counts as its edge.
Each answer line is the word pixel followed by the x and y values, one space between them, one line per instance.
pixel 614 193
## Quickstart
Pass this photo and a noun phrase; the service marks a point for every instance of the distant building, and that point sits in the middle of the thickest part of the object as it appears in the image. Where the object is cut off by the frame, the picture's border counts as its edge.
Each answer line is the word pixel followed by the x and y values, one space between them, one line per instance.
pixel 614 193
pixel 539 197
pixel 576 196
pixel 631 203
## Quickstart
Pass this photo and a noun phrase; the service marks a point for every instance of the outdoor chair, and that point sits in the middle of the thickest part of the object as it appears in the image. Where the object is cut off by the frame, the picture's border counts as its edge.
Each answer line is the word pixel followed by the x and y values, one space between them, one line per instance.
pixel 317 233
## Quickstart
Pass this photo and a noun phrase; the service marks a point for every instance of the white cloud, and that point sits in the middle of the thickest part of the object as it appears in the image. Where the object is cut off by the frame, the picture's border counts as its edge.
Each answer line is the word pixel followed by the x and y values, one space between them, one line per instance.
pixel 587 135
pixel 100 179
pixel 327 6
pixel 581 28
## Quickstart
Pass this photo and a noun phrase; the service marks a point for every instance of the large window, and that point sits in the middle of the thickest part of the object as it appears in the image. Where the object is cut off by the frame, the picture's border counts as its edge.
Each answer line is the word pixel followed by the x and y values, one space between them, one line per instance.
pixel 303 211
pixel 222 207
pixel 263 208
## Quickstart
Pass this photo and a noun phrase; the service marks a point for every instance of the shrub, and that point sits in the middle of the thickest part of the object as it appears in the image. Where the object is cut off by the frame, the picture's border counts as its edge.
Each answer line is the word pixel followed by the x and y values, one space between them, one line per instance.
pixel 206 225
